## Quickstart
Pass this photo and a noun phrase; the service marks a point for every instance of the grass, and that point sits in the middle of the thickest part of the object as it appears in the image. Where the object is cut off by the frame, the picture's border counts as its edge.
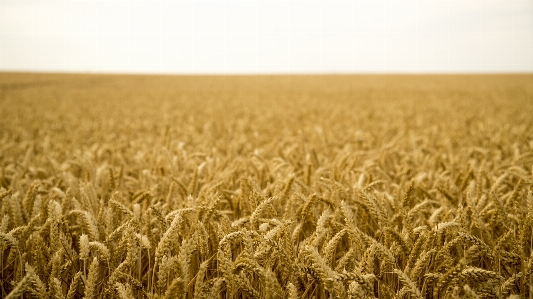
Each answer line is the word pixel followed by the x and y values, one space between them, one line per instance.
pixel 266 186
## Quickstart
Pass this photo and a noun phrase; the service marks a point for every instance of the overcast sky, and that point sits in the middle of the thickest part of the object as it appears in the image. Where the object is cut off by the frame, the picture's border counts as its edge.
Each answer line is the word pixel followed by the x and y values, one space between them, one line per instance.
pixel 266 36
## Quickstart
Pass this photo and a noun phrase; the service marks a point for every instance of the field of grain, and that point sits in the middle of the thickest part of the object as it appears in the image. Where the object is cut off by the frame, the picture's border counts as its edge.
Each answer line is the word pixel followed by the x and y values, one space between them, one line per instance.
pixel 266 186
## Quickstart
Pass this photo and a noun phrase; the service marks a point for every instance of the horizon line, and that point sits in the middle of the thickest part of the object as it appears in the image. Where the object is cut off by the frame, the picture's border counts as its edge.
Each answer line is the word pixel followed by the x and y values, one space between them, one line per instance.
pixel 258 74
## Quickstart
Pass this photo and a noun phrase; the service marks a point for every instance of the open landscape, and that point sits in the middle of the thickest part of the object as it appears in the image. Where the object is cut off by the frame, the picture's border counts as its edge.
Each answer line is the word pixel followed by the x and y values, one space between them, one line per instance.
pixel 355 186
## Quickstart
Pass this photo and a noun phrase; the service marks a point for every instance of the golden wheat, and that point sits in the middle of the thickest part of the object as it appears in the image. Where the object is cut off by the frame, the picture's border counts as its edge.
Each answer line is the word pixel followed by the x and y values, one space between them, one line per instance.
pixel 266 187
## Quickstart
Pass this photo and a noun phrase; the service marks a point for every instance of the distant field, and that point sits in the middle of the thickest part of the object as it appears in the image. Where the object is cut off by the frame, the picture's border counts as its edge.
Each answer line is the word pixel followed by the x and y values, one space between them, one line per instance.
pixel 266 186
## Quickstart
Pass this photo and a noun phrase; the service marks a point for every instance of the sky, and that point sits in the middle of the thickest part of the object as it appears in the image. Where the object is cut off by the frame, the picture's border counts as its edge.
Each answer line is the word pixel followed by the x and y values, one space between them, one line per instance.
pixel 265 36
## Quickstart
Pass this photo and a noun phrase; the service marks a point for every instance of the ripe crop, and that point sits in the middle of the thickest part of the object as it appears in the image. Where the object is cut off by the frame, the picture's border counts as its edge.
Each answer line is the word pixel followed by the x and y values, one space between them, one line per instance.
pixel 266 186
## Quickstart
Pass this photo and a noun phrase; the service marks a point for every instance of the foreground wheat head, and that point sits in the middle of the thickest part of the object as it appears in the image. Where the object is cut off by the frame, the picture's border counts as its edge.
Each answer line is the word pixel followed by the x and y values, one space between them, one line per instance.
pixel 222 197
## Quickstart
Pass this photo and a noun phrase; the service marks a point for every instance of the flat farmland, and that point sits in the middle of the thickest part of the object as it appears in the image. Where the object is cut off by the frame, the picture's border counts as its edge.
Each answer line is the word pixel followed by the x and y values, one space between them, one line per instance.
pixel 340 186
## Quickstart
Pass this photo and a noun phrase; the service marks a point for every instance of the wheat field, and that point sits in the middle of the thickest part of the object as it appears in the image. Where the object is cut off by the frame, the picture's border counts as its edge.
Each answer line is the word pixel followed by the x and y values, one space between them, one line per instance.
pixel 266 186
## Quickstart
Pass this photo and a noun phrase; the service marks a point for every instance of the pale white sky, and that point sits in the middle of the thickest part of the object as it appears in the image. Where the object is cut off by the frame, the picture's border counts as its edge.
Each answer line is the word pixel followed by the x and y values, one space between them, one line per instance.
pixel 264 36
